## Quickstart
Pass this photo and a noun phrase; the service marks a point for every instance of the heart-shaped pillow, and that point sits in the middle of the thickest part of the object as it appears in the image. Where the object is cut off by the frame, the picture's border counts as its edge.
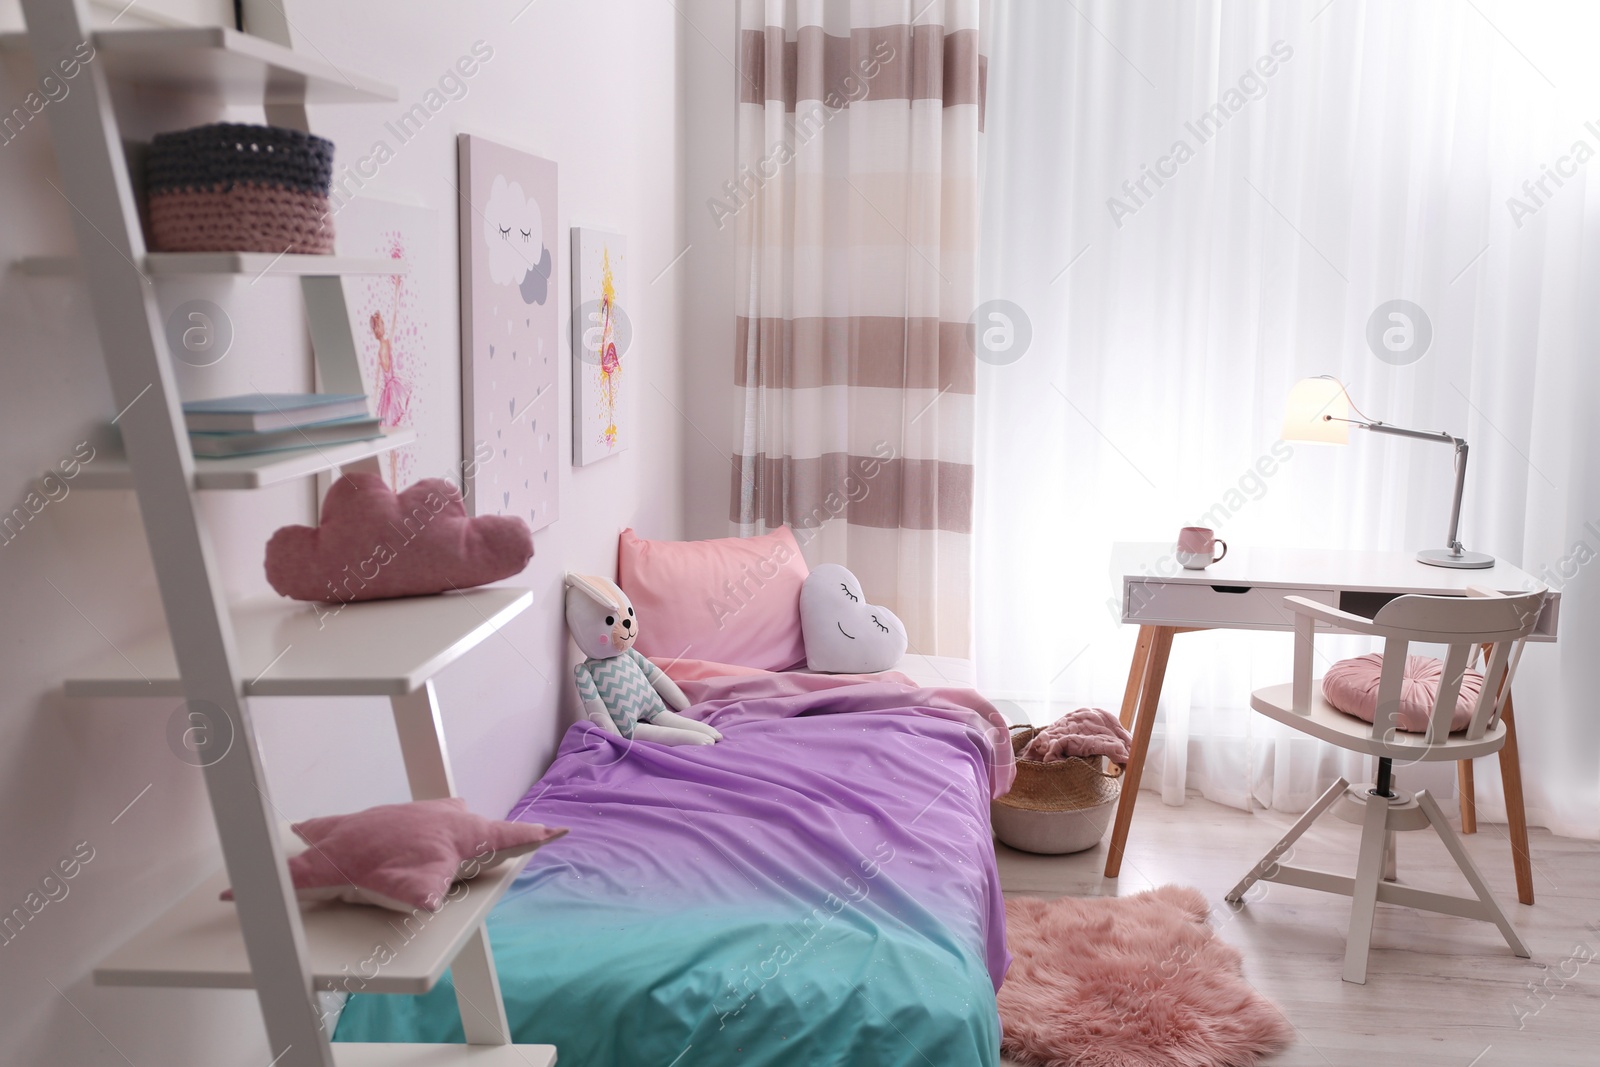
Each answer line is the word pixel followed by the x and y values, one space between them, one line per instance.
pixel 843 633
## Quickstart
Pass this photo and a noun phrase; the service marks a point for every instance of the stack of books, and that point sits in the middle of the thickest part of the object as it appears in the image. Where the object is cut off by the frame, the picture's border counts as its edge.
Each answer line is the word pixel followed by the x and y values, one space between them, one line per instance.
pixel 272 422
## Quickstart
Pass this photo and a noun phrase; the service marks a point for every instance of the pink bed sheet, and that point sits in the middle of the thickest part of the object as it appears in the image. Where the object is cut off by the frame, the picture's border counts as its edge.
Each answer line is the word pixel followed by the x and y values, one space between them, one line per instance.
pixel 712 686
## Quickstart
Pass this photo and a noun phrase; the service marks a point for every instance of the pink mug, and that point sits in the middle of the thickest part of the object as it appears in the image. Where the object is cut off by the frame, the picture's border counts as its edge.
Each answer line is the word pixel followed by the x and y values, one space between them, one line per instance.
pixel 1197 547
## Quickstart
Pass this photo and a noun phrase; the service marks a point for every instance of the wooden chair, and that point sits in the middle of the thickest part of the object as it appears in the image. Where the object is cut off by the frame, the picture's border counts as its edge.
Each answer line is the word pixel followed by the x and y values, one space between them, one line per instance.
pixel 1483 617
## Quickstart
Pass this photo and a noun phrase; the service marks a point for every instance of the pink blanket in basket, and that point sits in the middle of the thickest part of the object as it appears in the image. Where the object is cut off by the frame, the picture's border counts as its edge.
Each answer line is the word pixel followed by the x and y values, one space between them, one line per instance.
pixel 1085 732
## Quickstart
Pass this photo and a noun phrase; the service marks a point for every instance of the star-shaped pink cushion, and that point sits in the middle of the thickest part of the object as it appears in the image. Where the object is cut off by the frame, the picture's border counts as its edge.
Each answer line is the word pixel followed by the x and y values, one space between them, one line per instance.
pixel 405 856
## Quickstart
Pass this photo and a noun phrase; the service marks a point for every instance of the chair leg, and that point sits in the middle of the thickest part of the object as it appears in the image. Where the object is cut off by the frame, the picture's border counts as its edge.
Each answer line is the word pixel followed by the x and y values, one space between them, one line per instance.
pixel 1469 797
pixel 1264 868
pixel 1364 893
pixel 1391 858
pixel 1458 852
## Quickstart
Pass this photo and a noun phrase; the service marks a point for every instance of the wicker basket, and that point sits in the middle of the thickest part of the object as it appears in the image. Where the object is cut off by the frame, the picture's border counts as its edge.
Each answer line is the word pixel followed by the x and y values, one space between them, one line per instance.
pixel 229 187
pixel 1055 807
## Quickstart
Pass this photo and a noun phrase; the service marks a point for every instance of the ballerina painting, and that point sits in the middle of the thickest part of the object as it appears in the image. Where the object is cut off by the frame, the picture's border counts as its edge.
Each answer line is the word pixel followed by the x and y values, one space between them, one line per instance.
pixel 409 378
pixel 392 320
pixel 610 361
pixel 394 393
pixel 391 373
pixel 601 333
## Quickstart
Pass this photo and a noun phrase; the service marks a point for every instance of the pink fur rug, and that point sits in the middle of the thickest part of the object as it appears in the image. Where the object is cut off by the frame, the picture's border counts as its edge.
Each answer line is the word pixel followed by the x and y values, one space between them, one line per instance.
pixel 1139 981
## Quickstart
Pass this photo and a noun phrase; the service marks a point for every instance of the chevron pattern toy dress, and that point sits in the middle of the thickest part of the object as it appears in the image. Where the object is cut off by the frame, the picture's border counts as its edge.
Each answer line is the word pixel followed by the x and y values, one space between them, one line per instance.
pixel 625 684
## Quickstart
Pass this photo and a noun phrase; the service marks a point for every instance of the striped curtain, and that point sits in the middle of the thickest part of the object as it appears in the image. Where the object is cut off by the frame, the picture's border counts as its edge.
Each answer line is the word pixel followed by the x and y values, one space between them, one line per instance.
pixel 856 203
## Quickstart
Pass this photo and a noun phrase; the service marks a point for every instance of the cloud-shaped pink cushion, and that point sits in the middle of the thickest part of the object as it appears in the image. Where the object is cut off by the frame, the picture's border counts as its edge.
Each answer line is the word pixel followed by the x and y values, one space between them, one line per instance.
pixel 405 856
pixel 374 543
pixel 1351 685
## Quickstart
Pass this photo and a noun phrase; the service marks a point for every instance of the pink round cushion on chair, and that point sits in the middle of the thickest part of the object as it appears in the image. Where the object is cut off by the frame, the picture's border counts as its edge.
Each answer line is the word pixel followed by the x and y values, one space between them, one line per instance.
pixel 1351 685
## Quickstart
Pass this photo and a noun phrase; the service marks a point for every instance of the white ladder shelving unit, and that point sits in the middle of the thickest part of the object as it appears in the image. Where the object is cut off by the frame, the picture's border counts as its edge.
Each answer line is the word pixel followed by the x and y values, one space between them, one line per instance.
pixel 216 655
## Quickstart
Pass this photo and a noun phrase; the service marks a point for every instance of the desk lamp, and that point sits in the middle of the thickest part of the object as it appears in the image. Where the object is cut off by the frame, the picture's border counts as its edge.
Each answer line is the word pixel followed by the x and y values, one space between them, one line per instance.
pixel 1318 410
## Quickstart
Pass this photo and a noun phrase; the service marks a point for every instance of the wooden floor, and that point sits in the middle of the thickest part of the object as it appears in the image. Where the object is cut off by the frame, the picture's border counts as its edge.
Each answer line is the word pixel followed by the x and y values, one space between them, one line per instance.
pixel 1440 992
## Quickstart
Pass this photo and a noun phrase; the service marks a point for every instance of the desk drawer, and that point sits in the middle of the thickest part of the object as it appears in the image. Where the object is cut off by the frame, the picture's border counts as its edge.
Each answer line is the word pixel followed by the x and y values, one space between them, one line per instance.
pixel 1155 602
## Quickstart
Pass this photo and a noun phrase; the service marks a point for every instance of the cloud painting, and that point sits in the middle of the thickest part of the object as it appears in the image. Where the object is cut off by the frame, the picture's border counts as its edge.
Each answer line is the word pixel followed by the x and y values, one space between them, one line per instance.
pixel 513 229
pixel 510 345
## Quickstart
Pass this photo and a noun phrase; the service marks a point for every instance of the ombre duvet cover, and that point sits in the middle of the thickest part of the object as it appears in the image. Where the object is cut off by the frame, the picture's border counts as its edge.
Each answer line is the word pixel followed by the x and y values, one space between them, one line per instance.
pixel 818 888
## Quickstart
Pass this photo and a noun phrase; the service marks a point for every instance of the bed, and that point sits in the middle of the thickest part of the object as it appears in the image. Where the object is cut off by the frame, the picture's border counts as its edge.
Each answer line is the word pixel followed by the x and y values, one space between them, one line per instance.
pixel 819 888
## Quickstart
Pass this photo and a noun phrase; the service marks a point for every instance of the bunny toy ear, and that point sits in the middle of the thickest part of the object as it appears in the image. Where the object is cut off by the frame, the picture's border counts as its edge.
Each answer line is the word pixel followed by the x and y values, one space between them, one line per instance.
pixel 600 590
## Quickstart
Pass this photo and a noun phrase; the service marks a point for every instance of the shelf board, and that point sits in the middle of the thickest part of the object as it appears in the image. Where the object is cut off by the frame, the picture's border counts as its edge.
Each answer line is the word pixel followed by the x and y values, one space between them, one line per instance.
pixel 110 470
pixel 217 62
pixel 259 264
pixel 46 266
pixel 349 1054
pixel 289 648
pixel 247 264
pixel 198 944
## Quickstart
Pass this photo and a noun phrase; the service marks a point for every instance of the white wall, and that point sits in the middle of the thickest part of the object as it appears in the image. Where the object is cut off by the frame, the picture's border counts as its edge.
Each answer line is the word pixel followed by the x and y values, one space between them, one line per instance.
pixel 596 85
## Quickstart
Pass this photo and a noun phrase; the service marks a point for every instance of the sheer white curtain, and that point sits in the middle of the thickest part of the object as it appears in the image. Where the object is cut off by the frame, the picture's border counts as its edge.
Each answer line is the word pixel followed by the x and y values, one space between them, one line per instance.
pixel 1195 205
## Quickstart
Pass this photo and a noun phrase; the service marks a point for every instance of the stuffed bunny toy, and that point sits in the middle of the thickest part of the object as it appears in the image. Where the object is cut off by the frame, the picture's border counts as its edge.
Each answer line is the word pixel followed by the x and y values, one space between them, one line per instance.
pixel 622 692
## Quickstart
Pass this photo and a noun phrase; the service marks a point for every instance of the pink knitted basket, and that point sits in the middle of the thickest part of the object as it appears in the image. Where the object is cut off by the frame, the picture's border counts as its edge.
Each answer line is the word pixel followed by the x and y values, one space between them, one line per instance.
pixel 245 218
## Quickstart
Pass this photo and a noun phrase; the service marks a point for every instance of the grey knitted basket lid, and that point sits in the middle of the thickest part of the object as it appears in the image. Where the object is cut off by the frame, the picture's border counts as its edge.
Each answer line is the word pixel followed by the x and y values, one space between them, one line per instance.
pixel 224 154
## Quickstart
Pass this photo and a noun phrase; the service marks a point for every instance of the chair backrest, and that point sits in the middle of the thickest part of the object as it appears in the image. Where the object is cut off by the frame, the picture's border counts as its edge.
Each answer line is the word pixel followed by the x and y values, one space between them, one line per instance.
pixel 1482 618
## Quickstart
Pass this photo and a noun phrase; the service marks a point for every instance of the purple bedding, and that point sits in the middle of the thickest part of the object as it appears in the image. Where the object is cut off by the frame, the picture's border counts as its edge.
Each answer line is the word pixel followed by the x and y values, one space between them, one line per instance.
pixel 818 888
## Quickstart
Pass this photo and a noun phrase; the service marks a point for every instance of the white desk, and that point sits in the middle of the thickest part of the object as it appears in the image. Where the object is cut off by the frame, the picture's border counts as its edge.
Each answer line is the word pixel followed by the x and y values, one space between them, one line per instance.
pixel 1245 591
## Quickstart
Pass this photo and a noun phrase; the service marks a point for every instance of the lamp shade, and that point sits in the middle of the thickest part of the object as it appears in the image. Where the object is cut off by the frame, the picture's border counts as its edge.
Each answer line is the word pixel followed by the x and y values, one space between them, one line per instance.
pixel 1313 408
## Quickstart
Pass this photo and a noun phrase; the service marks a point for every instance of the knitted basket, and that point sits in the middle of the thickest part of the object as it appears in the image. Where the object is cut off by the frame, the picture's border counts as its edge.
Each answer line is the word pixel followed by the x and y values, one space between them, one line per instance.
pixel 1055 807
pixel 230 187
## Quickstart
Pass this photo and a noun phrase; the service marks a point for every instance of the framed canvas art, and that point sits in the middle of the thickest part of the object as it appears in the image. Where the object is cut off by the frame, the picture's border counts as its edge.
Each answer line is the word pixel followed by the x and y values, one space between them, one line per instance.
pixel 601 336
pixel 510 340
pixel 394 320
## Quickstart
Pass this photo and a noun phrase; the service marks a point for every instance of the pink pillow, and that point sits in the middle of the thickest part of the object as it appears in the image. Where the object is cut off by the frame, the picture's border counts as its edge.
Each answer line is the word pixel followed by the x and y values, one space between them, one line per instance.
pixel 732 599
pixel 405 856
pixel 374 543
pixel 1351 685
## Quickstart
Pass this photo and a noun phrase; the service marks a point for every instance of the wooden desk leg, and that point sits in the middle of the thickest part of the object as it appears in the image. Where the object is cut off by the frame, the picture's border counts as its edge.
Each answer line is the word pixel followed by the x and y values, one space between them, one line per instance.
pixel 1516 816
pixel 1469 798
pixel 1149 697
pixel 1141 656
